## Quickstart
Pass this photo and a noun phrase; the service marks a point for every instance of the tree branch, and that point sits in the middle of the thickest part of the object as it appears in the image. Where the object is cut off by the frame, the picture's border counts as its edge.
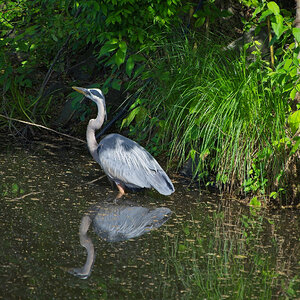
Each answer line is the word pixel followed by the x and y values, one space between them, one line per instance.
pixel 44 127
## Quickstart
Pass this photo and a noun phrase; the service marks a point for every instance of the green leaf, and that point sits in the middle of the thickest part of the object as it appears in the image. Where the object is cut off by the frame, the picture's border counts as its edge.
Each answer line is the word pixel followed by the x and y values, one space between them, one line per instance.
pixel 129 65
pixel 116 84
pixel 278 27
pixel 296 33
pixel 107 48
pixel 204 154
pixel 274 8
pixel 181 247
pixel 104 9
pixel 294 121
pixel 186 230
pixel 293 93
pixel 200 21
pixel 192 154
pixel 123 46
pixel 141 36
pixel 127 121
pixel 287 64
pixel 142 115
pixel 119 57
pixel 257 11
pixel 138 71
pixel 138 57
pixel 264 15
pixel 295 146
pixel 255 202
pixel 31 29
pixel 54 37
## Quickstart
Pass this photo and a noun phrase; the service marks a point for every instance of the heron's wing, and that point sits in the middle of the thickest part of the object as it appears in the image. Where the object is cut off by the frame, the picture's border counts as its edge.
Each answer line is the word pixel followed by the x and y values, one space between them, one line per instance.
pixel 120 223
pixel 125 161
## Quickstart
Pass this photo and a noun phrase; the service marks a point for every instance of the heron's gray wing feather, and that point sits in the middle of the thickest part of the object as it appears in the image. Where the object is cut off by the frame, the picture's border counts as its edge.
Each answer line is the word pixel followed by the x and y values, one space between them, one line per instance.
pixel 126 161
pixel 120 223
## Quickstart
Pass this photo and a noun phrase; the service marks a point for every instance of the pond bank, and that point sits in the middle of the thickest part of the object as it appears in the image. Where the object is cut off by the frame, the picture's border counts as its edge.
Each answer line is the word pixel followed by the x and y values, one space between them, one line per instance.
pixel 209 248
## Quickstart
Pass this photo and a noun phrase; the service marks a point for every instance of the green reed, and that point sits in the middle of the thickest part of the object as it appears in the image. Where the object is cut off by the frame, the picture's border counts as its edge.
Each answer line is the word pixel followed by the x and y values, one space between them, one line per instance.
pixel 219 109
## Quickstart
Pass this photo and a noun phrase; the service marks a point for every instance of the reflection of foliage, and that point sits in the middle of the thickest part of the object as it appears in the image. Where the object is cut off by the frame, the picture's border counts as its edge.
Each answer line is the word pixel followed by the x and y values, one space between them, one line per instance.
pixel 239 258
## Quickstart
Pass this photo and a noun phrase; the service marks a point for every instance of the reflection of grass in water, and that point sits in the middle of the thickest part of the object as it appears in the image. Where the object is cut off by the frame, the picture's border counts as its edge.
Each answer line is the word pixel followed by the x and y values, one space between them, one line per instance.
pixel 231 262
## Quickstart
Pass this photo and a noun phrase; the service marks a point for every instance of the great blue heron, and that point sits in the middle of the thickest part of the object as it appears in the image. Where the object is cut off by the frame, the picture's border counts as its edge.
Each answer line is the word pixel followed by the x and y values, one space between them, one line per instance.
pixel 115 222
pixel 124 161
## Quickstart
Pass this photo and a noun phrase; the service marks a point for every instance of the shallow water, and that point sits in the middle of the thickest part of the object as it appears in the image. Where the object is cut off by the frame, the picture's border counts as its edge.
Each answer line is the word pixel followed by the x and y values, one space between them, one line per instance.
pixel 209 247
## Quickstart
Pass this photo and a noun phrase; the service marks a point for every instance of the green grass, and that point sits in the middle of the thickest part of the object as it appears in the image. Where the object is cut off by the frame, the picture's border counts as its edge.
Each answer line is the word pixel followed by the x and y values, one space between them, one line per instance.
pixel 219 108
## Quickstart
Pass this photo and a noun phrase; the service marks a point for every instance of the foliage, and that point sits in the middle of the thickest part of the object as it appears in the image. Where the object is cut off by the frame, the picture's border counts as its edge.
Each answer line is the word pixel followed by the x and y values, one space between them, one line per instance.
pixel 236 119
pixel 27 45
pixel 218 110
pixel 284 71
pixel 208 14
pixel 35 34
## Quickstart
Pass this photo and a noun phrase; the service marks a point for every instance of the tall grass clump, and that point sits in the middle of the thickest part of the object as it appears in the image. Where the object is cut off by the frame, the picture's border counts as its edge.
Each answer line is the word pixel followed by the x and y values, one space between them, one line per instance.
pixel 217 109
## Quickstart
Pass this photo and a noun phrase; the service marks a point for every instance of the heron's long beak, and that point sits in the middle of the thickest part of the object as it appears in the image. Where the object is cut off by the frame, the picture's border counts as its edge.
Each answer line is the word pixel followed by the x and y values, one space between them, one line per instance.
pixel 79 90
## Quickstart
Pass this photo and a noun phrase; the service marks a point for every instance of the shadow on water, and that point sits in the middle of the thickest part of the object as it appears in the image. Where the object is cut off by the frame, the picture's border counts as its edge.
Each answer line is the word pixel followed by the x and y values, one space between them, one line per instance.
pixel 116 220
pixel 210 248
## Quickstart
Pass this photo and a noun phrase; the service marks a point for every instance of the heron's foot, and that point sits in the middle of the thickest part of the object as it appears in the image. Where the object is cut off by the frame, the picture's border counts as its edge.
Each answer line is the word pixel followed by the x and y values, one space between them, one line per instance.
pixel 79 273
pixel 121 191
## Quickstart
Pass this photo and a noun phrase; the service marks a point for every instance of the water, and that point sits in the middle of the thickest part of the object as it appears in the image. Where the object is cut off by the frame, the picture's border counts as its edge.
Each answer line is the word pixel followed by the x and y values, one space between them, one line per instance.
pixel 209 247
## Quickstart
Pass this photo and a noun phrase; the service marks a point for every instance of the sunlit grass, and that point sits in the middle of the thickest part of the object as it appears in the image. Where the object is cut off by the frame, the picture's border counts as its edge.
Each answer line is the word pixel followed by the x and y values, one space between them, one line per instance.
pixel 218 109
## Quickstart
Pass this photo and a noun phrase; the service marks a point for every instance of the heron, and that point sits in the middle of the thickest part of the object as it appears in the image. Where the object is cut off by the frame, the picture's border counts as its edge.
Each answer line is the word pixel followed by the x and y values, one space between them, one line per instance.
pixel 116 222
pixel 125 162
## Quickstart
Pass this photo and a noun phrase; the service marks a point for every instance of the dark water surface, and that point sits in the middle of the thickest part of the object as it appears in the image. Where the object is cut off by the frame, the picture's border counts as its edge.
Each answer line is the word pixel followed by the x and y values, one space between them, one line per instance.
pixel 209 248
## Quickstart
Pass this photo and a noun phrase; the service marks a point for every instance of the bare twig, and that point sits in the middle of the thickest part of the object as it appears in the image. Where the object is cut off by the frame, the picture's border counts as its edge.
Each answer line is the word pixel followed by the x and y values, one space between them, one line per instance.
pixel 23 196
pixel 44 127
pixel 90 182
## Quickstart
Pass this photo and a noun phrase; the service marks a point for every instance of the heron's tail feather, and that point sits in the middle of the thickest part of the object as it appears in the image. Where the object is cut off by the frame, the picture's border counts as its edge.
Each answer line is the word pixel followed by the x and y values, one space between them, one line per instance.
pixel 158 216
pixel 162 183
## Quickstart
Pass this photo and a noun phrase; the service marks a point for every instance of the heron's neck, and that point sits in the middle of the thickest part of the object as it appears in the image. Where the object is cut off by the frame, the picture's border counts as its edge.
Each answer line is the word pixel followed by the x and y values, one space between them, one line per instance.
pixel 95 124
pixel 87 243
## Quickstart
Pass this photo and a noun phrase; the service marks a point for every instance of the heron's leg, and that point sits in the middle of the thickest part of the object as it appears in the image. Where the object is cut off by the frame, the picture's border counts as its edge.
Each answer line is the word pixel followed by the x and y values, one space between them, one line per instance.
pixel 121 190
pixel 111 182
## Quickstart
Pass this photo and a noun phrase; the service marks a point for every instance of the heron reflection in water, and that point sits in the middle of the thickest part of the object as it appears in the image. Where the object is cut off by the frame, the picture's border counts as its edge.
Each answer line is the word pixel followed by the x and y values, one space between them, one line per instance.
pixel 115 222
pixel 124 161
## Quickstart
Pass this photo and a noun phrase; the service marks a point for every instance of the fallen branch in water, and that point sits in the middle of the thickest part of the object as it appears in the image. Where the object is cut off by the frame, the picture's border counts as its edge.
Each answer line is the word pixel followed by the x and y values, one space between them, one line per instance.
pixel 23 196
pixel 44 127
pixel 90 182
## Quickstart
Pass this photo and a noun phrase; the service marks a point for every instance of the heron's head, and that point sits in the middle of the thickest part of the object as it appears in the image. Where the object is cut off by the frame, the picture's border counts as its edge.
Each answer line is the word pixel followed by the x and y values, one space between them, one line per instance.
pixel 95 95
